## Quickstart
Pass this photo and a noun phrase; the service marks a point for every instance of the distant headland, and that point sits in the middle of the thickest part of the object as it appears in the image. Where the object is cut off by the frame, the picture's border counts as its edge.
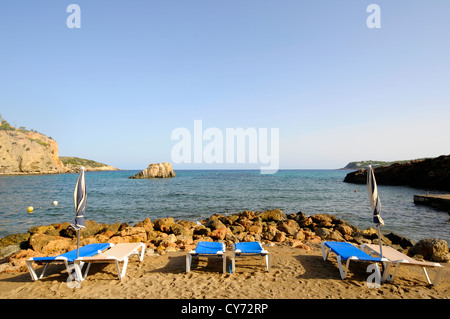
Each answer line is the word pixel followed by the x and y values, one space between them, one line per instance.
pixel 24 152
pixel 429 173
pixel 364 164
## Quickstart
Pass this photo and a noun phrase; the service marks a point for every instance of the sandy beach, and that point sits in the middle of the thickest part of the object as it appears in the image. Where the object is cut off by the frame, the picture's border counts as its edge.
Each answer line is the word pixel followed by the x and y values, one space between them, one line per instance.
pixel 296 274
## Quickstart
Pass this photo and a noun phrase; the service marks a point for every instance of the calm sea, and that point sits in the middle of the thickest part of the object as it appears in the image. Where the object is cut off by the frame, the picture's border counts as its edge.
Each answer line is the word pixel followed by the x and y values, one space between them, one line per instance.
pixel 197 194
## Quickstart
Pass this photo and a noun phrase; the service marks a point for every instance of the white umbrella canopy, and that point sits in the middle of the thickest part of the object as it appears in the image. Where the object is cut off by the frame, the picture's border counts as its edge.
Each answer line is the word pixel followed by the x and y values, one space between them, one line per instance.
pixel 375 203
pixel 79 198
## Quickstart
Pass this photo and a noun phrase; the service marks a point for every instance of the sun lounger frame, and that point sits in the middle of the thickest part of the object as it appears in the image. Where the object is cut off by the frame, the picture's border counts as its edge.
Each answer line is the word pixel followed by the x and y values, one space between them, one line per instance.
pixel 123 252
pixel 362 256
pixel 399 259
pixel 194 253
pixel 61 259
pixel 239 253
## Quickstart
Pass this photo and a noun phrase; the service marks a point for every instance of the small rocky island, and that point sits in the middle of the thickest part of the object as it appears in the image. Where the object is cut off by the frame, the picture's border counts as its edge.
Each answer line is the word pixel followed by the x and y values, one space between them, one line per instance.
pixel 159 170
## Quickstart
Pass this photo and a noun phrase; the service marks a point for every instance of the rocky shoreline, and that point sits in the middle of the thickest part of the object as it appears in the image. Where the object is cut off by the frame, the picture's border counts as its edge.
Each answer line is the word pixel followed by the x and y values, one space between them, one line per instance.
pixel 169 235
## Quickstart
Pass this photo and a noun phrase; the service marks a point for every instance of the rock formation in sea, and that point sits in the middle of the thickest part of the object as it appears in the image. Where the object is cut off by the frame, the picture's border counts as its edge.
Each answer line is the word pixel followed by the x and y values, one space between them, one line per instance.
pixel 430 173
pixel 159 170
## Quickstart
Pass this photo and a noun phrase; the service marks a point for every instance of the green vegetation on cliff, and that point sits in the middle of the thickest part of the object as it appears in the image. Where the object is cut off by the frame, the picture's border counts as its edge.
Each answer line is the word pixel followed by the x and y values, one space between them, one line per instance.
pixel 365 164
pixel 76 161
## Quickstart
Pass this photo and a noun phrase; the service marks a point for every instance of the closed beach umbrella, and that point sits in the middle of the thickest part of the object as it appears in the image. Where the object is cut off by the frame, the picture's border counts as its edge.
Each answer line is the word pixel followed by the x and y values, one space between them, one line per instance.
pixel 375 204
pixel 79 197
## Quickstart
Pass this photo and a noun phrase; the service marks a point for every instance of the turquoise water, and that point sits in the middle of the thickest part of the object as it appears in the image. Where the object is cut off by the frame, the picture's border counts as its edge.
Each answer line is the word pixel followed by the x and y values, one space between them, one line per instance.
pixel 197 194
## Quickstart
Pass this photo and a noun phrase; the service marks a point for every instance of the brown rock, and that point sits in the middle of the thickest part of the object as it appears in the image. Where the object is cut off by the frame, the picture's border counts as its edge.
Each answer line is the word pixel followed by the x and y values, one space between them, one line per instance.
pixel 164 224
pixel 431 249
pixel 344 229
pixel 160 170
pixel 300 235
pixel 290 227
pixel 300 244
pixel 133 234
pixel 178 230
pixel 14 239
pixel 147 224
pixel 214 223
pixel 219 234
pixel 280 237
pixel 254 229
pixel 273 215
pixel 38 241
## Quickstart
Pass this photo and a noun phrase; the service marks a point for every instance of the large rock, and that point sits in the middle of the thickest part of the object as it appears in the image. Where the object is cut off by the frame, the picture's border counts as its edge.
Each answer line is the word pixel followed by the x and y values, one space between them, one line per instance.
pixel 164 224
pixel 14 239
pixel 160 170
pixel 272 215
pixel 431 249
pixel 49 244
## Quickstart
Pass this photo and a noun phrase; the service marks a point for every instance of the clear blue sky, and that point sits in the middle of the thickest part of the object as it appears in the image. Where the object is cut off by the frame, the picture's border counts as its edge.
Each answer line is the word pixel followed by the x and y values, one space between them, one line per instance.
pixel 115 89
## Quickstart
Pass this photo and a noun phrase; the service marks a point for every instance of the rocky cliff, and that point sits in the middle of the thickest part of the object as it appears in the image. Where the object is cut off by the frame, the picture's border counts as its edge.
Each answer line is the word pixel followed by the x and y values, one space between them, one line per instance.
pixel 160 170
pixel 29 152
pixel 431 173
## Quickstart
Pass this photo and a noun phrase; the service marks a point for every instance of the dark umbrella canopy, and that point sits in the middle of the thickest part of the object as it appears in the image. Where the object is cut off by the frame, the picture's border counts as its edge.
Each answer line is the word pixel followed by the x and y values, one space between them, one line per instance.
pixel 375 204
pixel 80 197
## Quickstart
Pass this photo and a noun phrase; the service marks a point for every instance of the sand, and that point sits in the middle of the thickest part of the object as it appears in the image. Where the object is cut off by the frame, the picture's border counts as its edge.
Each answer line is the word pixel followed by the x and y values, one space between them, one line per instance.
pixel 295 274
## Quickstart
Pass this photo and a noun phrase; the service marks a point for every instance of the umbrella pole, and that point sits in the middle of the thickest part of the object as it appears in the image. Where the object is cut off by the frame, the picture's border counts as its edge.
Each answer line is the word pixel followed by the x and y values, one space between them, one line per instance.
pixel 379 240
pixel 78 244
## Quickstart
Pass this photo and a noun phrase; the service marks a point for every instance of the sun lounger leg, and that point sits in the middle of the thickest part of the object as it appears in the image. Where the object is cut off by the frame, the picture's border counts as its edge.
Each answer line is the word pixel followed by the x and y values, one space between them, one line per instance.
pixel 325 251
pixel 31 270
pixel 426 275
pixel 141 256
pixel 224 257
pixel 124 268
pixel 395 272
pixel 342 271
pixel 43 271
pixel 387 267
pixel 78 267
pixel 438 276
pixel 188 262
pixel 233 263
pixel 267 257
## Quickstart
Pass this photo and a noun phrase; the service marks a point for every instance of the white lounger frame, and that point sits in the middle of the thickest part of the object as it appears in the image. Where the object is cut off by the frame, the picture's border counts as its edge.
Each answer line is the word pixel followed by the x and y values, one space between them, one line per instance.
pixel 57 260
pixel 220 254
pixel 344 271
pixel 121 273
pixel 398 263
pixel 239 253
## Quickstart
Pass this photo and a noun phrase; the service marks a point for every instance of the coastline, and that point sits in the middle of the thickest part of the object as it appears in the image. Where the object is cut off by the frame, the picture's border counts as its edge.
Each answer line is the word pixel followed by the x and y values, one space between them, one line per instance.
pixel 298 269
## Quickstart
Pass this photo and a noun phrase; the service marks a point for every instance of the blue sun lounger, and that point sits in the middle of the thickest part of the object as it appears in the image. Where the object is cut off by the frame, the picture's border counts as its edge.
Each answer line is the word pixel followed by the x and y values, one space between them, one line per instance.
pixel 206 248
pixel 346 252
pixel 249 249
pixel 69 257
